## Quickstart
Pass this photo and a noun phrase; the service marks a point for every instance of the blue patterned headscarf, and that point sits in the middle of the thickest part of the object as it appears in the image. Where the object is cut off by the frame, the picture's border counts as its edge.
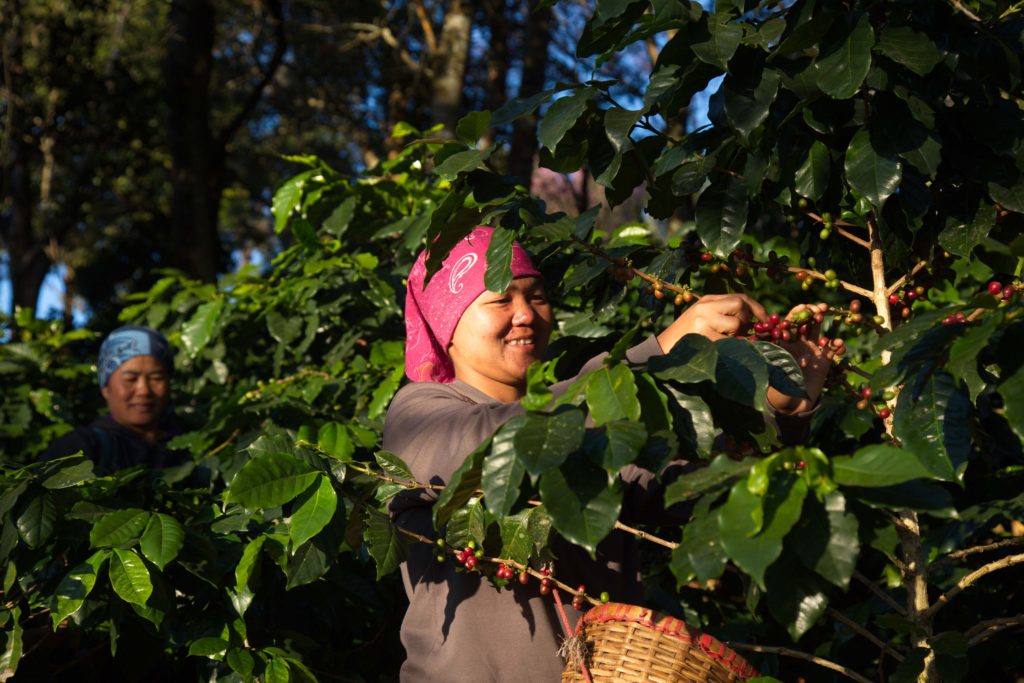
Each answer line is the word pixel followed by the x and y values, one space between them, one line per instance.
pixel 130 341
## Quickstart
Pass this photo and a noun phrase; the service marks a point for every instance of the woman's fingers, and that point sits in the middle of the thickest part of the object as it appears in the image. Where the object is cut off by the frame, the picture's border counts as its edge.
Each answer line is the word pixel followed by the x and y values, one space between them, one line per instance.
pixel 739 305
pixel 714 316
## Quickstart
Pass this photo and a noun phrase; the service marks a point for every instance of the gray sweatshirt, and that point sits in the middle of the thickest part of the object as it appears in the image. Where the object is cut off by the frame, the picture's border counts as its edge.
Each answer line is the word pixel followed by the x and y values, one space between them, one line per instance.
pixel 458 626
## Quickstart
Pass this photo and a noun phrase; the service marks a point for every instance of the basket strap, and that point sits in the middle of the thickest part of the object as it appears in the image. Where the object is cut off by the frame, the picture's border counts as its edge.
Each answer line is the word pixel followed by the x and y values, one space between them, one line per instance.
pixel 568 630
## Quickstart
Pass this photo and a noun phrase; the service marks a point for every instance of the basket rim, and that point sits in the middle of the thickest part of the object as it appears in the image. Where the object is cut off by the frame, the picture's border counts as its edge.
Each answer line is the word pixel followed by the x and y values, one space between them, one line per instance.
pixel 670 626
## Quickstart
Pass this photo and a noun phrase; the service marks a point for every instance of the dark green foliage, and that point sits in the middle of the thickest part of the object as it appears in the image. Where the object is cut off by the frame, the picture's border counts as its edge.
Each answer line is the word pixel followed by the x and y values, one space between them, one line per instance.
pixel 897 123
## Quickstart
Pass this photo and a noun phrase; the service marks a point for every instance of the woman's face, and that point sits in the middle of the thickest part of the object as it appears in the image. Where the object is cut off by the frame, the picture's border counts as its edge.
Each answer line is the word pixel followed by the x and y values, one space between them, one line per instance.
pixel 137 393
pixel 498 337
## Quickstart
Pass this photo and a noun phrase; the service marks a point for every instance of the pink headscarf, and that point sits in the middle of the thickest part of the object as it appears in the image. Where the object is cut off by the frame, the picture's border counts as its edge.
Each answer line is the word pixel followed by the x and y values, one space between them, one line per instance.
pixel 432 313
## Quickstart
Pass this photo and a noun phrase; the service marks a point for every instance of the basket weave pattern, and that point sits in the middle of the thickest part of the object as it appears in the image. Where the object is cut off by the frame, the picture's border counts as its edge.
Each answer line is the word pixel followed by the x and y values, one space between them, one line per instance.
pixel 633 644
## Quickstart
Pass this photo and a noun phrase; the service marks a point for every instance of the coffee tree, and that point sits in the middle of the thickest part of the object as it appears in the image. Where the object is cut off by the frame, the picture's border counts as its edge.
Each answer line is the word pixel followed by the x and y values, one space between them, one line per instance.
pixel 864 155
pixel 881 144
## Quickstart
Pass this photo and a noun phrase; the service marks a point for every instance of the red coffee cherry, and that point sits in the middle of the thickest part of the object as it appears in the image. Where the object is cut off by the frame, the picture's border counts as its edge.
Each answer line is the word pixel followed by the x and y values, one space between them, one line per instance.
pixel 994 288
pixel 524 578
pixel 884 413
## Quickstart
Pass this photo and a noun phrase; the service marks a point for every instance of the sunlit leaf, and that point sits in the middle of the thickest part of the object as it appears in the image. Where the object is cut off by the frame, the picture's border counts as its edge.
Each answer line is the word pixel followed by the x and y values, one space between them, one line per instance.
pixel 162 539
pixel 129 576
pixel 314 508
pixel 270 480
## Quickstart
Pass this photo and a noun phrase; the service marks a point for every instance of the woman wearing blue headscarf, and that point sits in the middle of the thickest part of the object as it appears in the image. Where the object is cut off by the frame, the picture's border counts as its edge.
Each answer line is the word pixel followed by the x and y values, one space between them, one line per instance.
pixel 134 371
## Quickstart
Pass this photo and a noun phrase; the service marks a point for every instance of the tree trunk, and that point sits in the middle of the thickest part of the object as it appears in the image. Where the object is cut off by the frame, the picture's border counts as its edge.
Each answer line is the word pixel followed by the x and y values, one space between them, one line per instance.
pixel 521 161
pixel 27 262
pixel 197 161
pixel 497 62
pixel 450 66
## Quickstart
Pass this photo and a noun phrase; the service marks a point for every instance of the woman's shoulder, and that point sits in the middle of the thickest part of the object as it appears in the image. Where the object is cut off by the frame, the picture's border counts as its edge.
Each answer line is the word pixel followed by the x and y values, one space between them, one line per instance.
pixel 415 392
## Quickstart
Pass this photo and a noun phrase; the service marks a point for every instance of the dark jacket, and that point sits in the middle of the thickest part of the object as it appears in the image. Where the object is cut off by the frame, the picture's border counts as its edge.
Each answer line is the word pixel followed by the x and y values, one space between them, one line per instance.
pixel 113 447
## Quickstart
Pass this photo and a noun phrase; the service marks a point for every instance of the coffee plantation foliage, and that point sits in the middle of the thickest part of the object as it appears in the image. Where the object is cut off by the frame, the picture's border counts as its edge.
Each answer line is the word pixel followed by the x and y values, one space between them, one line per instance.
pixel 865 155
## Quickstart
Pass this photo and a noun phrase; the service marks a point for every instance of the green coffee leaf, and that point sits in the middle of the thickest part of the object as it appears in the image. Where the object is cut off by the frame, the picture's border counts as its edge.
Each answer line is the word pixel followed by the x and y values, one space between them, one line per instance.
pixel 878 465
pixel 829 542
pixel 334 440
pixel 691 360
pixel 722 214
pixel 313 509
pixel 498 275
pixel 385 543
pixel 502 474
pixel 129 576
pixel 202 326
pixel 582 503
pixel 846 56
pixel 76 586
pixel 935 426
pixel 722 470
pixel 562 115
pixel 516 542
pixel 612 395
pixel 36 521
pixel 162 540
pixel 908 47
pixel 874 175
pixel 752 549
pixel 270 480
pixel 119 528
pixel 813 175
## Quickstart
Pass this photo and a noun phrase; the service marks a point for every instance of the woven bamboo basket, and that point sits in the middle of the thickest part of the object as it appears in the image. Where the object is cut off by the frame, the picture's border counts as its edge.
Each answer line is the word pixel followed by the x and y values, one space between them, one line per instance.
pixel 632 644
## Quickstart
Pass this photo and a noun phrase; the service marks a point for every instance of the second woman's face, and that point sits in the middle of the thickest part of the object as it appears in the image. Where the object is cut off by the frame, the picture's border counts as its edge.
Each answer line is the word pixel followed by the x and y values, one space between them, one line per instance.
pixel 498 337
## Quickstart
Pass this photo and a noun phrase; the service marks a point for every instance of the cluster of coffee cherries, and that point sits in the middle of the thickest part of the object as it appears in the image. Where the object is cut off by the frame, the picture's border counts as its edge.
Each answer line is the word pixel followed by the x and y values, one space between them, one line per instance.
pixel 505 572
pixel 805 278
pixel 580 598
pixel 955 319
pixel 620 270
pixel 863 396
pixel 903 299
pixel 826 226
pixel 469 556
pixel 1004 293
pixel 777 329
pixel 657 290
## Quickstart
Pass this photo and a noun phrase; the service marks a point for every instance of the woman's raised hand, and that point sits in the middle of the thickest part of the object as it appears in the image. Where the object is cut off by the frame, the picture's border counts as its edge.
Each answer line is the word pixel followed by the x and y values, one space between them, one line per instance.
pixel 815 360
pixel 715 316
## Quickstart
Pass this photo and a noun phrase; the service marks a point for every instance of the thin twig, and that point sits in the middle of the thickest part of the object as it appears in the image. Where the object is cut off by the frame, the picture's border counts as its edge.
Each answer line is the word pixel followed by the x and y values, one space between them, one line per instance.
pixel 224 445
pixel 502 560
pixel 965 552
pixel 850 236
pixel 955 4
pixel 882 595
pixel 894 287
pixel 857 628
pixel 966 581
pixel 818 275
pixel 826 663
pixel 857 371
pixel 646 536
pixel 984 630
pixel 408 485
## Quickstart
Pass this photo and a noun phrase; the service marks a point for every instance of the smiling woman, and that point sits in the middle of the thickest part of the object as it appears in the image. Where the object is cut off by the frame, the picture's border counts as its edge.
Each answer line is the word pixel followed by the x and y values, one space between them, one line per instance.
pixel 499 335
pixel 467 353
pixel 134 369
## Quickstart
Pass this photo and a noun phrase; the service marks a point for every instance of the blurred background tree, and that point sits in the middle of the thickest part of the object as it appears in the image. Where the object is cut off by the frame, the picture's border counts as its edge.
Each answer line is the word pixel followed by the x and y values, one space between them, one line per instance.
pixel 139 134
